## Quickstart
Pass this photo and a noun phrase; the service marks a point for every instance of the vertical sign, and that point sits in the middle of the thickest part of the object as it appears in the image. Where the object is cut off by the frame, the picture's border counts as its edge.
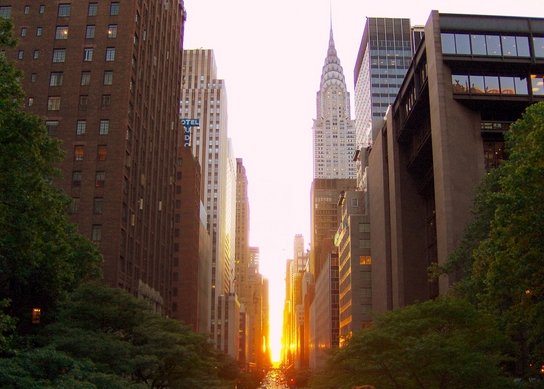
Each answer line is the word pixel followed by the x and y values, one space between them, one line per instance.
pixel 187 124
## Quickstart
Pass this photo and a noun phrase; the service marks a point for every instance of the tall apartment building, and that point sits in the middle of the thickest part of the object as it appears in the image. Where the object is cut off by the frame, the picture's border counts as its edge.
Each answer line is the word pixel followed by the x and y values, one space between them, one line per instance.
pixel 471 77
pixel 324 315
pixel 105 77
pixel 258 311
pixel 242 286
pixel 192 248
pixel 333 129
pixel 325 218
pixel 383 58
pixel 204 97
pixel 354 265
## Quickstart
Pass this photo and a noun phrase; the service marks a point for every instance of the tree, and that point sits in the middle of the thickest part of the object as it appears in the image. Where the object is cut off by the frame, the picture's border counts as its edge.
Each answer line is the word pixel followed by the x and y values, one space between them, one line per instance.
pixel 121 337
pixel 443 344
pixel 508 264
pixel 42 256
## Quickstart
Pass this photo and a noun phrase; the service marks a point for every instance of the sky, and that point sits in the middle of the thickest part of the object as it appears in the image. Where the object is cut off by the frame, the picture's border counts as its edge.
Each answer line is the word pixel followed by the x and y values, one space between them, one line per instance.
pixel 270 54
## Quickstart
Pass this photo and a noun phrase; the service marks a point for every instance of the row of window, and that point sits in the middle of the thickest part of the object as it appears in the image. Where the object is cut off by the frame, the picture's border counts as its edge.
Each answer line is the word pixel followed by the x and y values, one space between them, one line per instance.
pixel 64 9
pixel 101 152
pixel 491 45
pixel 98 205
pixel 61 32
pixel 99 179
pixel 497 84
pixel 81 127
pixel 59 55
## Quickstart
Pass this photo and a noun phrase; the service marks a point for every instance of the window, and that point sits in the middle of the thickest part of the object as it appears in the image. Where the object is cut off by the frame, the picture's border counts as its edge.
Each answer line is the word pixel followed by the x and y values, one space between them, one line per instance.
pixel 104 128
pixel 56 79
pixel 53 103
pixel 493 43
pixel 81 127
pixel 42 9
pixel 460 83
pixel 5 11
pixel 64 10
pixel 93 9
pixel 106 101
pixel 83 102
pixel 61 32
pixel 100 179
pixel 90 31
pixel 365 260
pixel 96 234
pixel 20 54
pixel 59 55
pixel 98 205
pixel 24 31
pixel 114 8
pixel 448 43
pixel 462 44
pixel 537 84
pixel 88 54
pixel 108 77
pixel 27 9
pixel 36 54
pixel 51 126
pixel 30 101
pixel 112 31
pixel 110 54
pixel 74 205
pixel 79 152
pixel 85 78
pixel 39 31
pixel 538 45
pixel 102 152
pixel 478 44
pixel 76 178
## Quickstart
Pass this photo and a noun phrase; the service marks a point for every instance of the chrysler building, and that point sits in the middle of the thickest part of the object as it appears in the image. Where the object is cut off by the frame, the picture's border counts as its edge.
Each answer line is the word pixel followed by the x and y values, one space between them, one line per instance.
pixel 333 129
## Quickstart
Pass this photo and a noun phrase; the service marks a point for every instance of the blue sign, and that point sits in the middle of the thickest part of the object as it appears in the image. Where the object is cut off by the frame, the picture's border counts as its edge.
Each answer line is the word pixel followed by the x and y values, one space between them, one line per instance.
pixel 187 124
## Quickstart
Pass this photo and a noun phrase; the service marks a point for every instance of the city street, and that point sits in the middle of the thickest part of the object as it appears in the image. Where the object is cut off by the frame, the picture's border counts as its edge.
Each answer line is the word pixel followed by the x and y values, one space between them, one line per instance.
pixel 274 380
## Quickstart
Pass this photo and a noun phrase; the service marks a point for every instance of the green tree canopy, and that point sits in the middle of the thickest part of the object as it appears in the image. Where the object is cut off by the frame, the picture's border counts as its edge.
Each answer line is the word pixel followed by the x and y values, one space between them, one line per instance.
pixel 505 266
pixel 120 336
pixel 444 344
pixel 42 256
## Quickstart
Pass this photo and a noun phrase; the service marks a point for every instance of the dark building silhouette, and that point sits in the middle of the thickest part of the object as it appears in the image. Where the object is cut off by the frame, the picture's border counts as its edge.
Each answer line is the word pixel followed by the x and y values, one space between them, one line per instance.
pixel 105 77
pixel 192 249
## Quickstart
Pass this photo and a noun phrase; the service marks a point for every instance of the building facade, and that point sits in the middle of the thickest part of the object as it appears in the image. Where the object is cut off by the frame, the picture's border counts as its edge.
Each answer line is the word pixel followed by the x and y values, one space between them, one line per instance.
pixel 325 218
pixel 354 265
pixel 107 82
pixel 203 97
pixel 333 128
pixel 192 251
pixel 383 58
pixel 471 77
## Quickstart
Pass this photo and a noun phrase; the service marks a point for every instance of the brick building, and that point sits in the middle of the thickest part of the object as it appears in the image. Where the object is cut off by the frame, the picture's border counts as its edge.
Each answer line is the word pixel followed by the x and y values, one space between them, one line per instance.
pixel 106 76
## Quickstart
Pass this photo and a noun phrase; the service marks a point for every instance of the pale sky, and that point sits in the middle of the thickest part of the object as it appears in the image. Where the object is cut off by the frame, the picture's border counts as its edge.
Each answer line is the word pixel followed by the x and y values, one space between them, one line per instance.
pixel 270 54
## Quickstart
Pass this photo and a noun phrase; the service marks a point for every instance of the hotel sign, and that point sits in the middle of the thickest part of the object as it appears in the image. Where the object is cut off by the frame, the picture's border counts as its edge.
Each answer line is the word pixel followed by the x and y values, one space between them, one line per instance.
pixel 187 125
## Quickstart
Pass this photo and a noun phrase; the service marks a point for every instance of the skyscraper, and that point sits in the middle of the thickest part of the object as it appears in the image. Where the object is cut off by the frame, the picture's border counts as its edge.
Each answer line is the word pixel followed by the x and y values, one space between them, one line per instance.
pixel 107 82
pixel 334 149
pixel 472 76
pixel 384 56
pixel 204 97
pixel 333 129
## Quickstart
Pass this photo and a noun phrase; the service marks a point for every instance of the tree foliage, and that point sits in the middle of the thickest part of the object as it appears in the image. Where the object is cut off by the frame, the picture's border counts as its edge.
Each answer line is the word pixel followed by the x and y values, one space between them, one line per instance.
pixel 107 338
pixel 444 344
pixel 507 264
pixel 42 256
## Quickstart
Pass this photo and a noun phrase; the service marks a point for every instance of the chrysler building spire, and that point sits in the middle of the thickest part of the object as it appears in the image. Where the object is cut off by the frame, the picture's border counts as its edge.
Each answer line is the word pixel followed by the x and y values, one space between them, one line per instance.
pixel 333 130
